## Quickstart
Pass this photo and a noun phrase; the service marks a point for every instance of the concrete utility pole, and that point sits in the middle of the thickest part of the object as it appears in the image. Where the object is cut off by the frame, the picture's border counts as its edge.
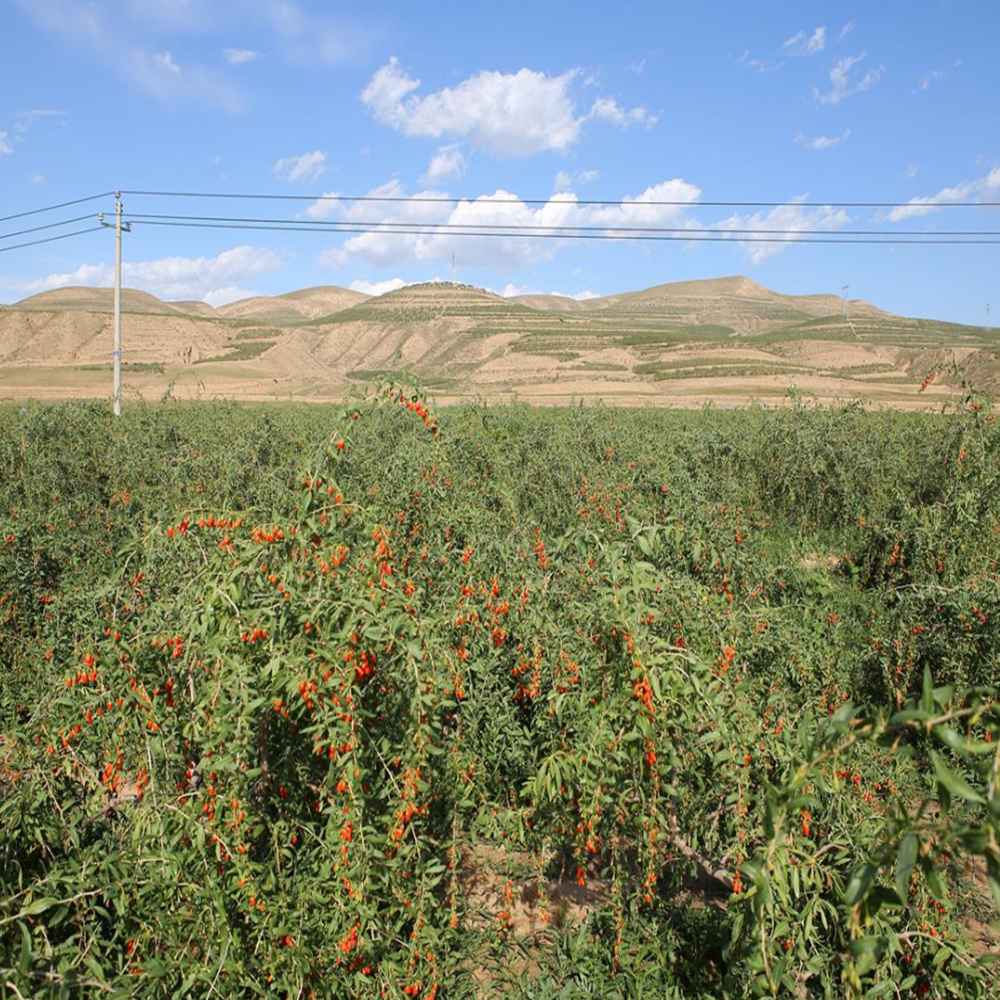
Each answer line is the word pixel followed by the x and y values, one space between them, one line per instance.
pixel 118 228
pixel 843 295
pixel 987 318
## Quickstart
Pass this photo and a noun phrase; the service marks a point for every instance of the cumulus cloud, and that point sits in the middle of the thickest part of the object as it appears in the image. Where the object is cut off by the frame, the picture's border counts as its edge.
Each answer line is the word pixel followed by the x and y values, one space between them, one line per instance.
pixel 447 162
pixel 608 109
pixel 240 57
pixel 792 218
pixel 821 142
pixel 377 287
pixel 210 279
pixel 981 189
pixel 845 30
pixel 844 84
pixel 509 114
pixel 306 167
pixel 386 248
pixel 5 147
pixel 804 44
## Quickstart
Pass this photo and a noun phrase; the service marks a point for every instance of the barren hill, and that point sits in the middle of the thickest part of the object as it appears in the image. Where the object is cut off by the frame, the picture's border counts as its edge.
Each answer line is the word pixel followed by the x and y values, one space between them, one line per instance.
pixel 293 307
pixel 101 300
pixel 726 340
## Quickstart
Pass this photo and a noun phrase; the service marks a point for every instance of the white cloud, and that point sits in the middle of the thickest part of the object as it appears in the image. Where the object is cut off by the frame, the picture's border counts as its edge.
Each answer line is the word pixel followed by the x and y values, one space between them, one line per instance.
pixel 842 86
pixel 928 79
pixel 210 279
pixel 821 142
pixel 166 62
pixel 115 43
pixel 230 293
pixel 792 219
pixel 609 109
pixel 377 287
pixel 564 180
pixel 761 65
pixel 910 172
pixel 447 162
pixel 386 248
pixel 5 147
pixel 845 30
pixel 806 45
pixel 510 291
pixel 26 119
pixel 981 189
pixel 306 167
pixel 240 57
pixel 638 67
pixel 39 179
pixel 510 114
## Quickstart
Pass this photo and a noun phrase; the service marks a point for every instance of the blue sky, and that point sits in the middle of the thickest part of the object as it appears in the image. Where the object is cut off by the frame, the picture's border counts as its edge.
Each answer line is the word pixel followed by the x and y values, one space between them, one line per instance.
pixel 724 101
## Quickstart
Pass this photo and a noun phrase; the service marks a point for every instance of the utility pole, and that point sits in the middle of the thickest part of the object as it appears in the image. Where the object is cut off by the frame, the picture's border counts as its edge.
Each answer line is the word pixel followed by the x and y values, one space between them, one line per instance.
pixel 843 295
pixel 453 269
pixel 118 228
pixel 987 319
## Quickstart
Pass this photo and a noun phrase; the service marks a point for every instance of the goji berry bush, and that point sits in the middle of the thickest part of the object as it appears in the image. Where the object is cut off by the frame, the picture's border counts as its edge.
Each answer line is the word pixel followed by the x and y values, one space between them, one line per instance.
pixel 385 701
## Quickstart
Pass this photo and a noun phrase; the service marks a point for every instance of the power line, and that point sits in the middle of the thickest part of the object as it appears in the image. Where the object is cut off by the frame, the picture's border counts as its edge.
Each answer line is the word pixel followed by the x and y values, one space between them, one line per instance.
pixel 51 225
pixel 52 208
pixel 429 199
pixel 551 227
pixel 50 239
pixel 695 236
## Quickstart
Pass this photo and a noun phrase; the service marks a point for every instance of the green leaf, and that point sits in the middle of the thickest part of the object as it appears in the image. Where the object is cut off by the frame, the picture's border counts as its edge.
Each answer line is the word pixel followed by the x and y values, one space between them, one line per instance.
pixel 993 877
pixel 155 969
pixel 935 884
pixel 927 695
pixel 859 884
pixel 950 738
pixel 955 783
pixel 39 906
pixel 906 858
pixel 24 960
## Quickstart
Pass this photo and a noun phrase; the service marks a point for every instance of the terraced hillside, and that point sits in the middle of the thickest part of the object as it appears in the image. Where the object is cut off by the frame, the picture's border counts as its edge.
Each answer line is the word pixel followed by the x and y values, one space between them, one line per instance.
pixel 725 341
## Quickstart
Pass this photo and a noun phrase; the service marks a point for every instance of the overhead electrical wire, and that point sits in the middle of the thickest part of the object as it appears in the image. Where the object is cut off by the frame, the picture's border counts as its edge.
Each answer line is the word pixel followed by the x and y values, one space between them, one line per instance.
pixel 52 208
pixel 694 236
pixel 51 239
pixel 50 225
pixel 502 230
pixel 513 200
pixel 388 225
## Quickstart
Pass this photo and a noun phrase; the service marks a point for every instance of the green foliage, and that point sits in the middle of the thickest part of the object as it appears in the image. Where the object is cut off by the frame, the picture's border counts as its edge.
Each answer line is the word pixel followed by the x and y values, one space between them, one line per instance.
pixel 241 350
pixel 577 702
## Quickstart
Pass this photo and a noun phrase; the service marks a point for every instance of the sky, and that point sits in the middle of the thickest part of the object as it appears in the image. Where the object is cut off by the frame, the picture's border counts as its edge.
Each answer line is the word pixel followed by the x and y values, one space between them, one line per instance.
pixel 556 103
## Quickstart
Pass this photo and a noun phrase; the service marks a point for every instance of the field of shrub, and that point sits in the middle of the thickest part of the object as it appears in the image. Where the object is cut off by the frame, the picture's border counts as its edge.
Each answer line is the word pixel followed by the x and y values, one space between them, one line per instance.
pixel 383 702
